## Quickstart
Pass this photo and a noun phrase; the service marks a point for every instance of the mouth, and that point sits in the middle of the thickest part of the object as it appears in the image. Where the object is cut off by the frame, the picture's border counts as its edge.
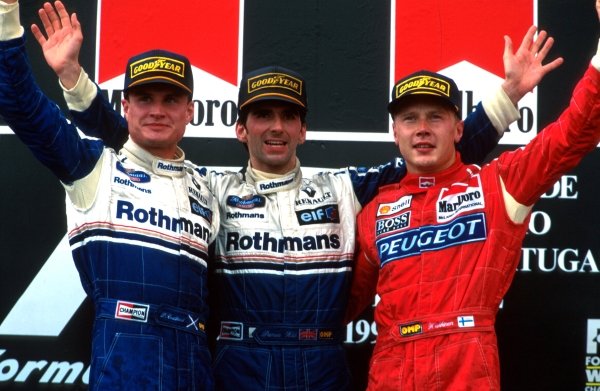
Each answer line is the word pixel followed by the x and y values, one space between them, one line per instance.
pixel 275 143
pixel 423 146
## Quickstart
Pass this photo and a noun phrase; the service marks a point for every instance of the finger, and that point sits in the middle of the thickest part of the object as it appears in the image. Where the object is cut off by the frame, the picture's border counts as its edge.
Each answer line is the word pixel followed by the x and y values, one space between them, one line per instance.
pixel 539 41
pixel 62 13
pixel 37 33
pixel 528 38
pixel 543 52
pixel 52 15
pixel 75 22
pixel 46 22
pixel 552 65
pixel 508 46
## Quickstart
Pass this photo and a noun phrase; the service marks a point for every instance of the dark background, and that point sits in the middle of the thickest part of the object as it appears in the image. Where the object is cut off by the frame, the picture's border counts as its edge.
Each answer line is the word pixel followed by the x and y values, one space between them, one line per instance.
pixel 342 49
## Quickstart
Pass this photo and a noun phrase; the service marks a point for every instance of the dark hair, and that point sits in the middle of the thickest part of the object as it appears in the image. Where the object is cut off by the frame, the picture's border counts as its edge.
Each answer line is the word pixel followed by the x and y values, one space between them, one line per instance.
pixel 243 114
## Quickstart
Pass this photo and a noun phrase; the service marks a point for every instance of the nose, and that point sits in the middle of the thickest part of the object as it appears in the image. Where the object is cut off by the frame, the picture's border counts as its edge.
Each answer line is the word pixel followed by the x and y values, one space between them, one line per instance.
pixel 277 124
pixel 422 127
pixel 157 109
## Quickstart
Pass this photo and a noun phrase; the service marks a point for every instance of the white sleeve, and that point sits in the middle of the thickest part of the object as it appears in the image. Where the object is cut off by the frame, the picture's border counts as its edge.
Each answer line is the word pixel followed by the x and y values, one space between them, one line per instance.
pixel 10 23
pixel 80 97
pixel 500 110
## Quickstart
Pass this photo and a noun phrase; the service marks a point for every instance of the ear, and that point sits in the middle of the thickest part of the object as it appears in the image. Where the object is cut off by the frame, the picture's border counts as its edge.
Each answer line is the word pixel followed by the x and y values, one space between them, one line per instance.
pixel 125 104
pixel 394 132
pixel 302 134
pixel 241 133
pixel 460 126
pixel 190 111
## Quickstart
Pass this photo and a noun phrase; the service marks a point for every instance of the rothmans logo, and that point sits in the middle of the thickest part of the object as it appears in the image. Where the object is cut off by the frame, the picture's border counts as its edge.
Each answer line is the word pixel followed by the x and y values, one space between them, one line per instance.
pixel 155 63
pixel 277 80
pixel 427 84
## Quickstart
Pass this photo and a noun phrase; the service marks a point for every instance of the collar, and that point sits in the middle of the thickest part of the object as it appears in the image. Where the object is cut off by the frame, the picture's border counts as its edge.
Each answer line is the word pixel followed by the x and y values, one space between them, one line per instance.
pixel 266 183
pixel 422 182
pixel 165 167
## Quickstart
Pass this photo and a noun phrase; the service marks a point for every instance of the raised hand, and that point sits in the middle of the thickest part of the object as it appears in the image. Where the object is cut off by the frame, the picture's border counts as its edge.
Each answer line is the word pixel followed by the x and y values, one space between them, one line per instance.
pixel 61 43
pixel 525 69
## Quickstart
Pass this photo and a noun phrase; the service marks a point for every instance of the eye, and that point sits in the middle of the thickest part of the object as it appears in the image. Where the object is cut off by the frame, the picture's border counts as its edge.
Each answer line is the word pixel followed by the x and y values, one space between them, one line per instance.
pixel 290 115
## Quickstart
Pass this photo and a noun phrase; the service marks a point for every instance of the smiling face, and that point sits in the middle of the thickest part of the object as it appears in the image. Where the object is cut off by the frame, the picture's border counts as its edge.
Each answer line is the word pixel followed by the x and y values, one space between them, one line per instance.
pixel 272 130
pixel 426 130
pixel 157 115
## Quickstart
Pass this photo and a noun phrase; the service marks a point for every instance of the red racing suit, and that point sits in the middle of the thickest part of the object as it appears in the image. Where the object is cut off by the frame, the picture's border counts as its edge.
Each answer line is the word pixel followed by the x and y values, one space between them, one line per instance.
pixel 441 252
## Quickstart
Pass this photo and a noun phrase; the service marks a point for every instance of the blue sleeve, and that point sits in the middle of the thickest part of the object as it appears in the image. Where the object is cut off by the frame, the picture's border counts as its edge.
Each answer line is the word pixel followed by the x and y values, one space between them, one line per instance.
pixel 101 120
pixel 366 181
pixel 38 121
pixel 479 138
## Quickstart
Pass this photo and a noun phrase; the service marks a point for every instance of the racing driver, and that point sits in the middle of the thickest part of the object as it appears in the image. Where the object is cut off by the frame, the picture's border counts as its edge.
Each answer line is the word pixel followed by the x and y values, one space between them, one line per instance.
pixel 139 222
pixel 441 246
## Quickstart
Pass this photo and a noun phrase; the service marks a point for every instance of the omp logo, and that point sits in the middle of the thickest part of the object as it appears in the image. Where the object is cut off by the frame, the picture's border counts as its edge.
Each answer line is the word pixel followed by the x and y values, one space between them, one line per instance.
pixel 411 329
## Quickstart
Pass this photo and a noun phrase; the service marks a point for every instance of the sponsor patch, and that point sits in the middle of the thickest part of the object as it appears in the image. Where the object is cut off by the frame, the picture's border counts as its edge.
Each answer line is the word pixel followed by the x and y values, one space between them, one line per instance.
pixel 246 202
pixel 426 181
pixel 392 224
pixel 466 321
pixel 394 207
pixel 460 198
pixel 321 215
pixel 308 334
pixel 434 85
pixel 278 80
pixel 407 330
pixel 132 311
pixel 199 210
pixel 149 64
pixel 462 230
pixel 232 330
pixel 134 175
pixel 244 215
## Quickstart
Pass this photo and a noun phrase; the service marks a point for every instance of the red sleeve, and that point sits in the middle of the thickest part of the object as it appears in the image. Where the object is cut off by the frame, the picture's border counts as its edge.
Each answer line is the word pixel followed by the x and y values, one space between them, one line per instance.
pixel 366 270
pixel 530 171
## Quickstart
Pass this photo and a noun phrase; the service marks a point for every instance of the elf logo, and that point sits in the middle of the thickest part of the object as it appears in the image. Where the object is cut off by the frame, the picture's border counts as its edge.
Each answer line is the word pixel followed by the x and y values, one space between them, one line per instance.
pixel 428 35
pixel 208 32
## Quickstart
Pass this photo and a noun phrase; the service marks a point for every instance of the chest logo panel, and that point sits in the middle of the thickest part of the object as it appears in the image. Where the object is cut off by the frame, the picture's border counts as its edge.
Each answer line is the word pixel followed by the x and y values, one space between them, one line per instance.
pixel 460 198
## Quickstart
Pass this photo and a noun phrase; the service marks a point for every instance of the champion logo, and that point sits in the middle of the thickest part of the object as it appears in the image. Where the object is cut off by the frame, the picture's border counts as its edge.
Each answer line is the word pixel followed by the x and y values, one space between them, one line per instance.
pixel 132 311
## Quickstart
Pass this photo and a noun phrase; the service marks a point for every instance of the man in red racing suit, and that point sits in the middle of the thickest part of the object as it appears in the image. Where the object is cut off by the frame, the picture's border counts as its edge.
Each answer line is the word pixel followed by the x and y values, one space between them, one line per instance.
pixel 441 247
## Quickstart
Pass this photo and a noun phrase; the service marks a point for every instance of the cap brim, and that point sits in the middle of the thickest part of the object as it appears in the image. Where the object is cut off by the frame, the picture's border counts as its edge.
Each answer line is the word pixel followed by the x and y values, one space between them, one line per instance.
pixel 159 80
pixel 273 96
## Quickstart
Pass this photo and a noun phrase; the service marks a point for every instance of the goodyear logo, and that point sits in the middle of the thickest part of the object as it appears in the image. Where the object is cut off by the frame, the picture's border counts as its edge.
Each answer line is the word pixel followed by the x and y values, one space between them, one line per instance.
pixel 275 80
pixel 155 63
pixel 411 329
pixel 424 84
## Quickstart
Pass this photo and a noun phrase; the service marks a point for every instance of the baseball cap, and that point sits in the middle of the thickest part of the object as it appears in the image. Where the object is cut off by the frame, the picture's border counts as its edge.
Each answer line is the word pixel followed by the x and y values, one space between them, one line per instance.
pixel 426 83
pixel 272 83
pixel 159 66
